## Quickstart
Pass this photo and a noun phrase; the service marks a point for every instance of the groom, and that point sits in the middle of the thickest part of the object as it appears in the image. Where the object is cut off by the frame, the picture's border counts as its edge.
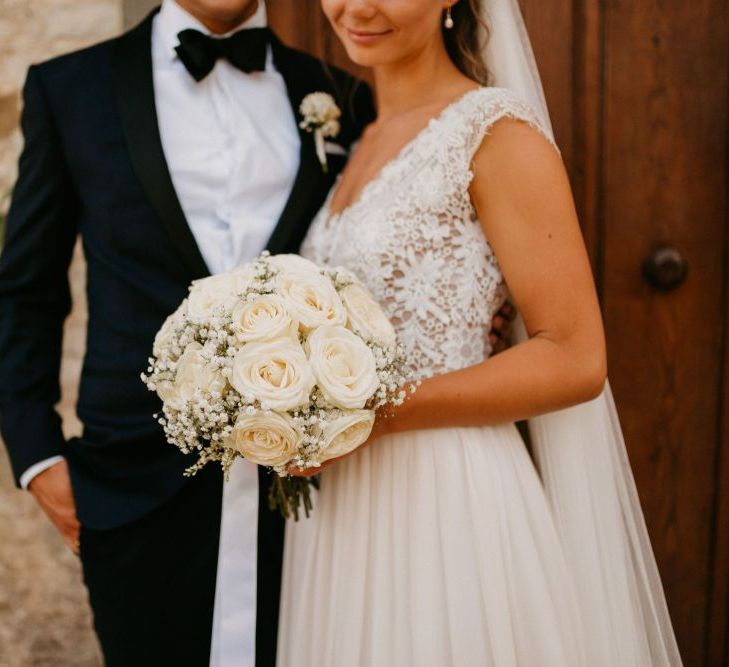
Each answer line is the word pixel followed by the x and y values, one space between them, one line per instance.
pixel 172 155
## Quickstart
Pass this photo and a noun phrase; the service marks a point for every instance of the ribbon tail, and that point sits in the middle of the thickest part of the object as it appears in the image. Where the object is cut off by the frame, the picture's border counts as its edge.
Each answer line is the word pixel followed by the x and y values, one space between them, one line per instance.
pixel 320 149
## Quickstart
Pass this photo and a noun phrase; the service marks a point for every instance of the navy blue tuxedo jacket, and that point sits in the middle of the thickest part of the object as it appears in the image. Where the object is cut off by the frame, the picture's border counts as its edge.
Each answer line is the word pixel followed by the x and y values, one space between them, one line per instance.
pixel 93 166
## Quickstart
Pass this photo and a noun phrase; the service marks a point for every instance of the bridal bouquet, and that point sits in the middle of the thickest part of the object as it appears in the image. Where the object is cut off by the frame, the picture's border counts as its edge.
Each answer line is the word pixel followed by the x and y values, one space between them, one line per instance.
pixel 280 362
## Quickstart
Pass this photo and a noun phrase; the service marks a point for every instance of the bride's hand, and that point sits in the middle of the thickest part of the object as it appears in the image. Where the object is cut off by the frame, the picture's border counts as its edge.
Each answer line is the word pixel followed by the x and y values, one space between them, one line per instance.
pixel 380 428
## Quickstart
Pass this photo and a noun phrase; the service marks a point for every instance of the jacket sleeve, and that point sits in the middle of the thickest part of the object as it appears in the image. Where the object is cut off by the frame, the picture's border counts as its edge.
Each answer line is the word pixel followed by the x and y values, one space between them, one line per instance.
pixel 34 291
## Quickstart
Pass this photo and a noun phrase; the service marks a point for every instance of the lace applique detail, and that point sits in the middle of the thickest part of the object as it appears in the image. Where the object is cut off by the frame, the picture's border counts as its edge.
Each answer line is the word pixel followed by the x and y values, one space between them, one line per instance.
pixel 414 238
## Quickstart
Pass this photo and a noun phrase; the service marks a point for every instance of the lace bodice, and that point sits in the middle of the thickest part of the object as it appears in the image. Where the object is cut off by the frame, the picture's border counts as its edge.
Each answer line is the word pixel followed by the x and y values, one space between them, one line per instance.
pixel 414 238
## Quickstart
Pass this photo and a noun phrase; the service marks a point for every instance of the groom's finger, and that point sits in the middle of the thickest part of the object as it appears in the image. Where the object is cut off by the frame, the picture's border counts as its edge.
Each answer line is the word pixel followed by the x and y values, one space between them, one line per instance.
pixel 52 491
pixel 70 530
pixel 508 311
pixel 499 325
pixel 72 543
pixel 63 516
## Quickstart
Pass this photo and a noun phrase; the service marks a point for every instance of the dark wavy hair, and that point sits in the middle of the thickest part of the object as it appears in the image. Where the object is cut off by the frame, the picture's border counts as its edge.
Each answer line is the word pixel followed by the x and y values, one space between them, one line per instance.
pixel 464 42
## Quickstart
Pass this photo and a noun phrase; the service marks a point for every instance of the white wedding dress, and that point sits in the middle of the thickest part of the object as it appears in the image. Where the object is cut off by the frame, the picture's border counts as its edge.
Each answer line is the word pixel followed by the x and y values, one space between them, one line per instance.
pixel 435 547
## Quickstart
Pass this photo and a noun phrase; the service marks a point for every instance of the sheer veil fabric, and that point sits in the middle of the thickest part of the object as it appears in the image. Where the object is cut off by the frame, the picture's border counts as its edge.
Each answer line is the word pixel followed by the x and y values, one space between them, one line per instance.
pixel 582 458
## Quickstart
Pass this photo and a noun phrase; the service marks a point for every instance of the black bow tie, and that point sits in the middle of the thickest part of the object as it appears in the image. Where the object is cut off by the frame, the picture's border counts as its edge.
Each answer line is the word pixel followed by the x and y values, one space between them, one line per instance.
pixel 246 49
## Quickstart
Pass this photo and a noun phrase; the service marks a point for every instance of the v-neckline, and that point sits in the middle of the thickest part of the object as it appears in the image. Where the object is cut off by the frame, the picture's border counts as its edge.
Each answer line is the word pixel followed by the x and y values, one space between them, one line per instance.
pixel 380 174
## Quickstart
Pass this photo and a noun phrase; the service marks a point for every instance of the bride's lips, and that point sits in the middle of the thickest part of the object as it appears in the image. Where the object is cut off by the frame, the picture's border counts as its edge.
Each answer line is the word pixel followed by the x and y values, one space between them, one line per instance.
pixel 366 37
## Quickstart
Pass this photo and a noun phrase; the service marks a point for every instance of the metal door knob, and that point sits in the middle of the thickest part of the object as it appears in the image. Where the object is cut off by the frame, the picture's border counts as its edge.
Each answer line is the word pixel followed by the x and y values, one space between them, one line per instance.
pixel 665 269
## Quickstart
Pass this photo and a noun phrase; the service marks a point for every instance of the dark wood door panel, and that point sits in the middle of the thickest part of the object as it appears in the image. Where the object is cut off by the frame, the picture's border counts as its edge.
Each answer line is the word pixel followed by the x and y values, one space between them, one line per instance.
pixel 718 636
pixel 551 27
pixel 665 183
pixel 303 26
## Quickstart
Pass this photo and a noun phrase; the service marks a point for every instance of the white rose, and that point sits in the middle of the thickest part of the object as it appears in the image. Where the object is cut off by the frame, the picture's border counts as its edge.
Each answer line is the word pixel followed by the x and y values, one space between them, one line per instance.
pixel 267 440
pixel 263 318
pixel 311 299
pixel 207 294
pixel 193 373
pixel 343 366
pixel 163 339
pixel 293 263
pixel 277 373
pixel 346 433
pixel 365 315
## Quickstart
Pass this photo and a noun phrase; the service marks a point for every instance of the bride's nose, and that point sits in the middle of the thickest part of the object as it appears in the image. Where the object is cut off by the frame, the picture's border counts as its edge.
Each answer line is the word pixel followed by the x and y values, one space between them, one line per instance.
pixel 361 10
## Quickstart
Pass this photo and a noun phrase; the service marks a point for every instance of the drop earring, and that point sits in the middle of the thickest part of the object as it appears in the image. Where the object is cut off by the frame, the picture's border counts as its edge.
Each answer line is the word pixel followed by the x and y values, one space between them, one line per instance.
pixel 448 23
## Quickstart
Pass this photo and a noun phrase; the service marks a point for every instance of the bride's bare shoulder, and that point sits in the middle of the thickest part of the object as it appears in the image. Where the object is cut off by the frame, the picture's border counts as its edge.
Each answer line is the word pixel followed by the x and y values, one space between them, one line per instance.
pixel 515 158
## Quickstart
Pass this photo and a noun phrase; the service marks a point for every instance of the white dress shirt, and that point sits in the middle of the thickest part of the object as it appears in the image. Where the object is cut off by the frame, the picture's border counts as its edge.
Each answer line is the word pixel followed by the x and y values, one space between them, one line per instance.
pixel 36 469
pixel 231 144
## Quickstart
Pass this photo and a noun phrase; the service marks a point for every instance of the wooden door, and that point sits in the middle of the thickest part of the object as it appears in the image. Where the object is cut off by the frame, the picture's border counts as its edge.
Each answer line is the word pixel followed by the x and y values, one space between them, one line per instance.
pixel 664 182
pixel 639 96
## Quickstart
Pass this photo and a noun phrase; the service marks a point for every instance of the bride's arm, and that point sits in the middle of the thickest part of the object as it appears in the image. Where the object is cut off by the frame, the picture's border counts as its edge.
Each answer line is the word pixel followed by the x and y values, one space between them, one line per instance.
pixel 523 198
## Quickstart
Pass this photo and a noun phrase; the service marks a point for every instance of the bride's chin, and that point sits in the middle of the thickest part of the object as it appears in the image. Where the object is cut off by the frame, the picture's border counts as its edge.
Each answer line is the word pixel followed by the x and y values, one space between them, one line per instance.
pixel 367 57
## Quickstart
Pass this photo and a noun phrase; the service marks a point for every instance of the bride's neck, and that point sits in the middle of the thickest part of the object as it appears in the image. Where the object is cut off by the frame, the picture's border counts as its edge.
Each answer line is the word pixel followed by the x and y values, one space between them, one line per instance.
pixel 414 82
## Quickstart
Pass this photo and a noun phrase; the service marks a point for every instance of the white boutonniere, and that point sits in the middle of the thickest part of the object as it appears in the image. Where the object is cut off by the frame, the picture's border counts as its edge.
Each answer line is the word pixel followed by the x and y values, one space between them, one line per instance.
pixel 321 116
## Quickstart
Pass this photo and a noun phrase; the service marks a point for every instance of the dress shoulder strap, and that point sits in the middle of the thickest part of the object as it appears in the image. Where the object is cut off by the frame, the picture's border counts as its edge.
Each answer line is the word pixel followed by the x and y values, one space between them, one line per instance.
pixel 482 108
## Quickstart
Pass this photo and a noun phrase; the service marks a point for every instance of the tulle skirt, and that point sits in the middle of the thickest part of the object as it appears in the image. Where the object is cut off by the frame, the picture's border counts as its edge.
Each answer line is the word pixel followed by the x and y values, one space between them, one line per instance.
pixel 430 548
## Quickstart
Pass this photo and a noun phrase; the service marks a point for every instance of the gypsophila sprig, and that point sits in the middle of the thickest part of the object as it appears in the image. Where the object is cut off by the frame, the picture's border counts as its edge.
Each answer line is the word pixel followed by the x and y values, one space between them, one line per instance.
pixel 280 362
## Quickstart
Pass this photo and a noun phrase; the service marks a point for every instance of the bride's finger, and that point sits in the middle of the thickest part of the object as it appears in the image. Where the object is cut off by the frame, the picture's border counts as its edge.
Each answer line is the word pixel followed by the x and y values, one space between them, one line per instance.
pixel 305 472
pixel 310 472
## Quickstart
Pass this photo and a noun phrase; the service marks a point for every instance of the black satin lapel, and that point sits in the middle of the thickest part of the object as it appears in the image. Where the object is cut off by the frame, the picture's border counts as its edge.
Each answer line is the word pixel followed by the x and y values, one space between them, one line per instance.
pixel 134 87
pixel 311 184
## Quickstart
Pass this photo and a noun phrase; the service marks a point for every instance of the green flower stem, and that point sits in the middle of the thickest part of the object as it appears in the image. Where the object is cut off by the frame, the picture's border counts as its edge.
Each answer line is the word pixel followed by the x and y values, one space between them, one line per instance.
pixel 288 494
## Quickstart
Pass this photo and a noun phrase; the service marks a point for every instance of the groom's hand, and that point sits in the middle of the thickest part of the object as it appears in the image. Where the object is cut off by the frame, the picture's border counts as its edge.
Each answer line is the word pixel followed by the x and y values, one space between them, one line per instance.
pixel 52 491
pixel 501 328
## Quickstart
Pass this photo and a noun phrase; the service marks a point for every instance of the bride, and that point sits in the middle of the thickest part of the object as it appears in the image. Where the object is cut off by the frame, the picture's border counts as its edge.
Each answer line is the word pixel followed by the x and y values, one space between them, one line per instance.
pixel 440 542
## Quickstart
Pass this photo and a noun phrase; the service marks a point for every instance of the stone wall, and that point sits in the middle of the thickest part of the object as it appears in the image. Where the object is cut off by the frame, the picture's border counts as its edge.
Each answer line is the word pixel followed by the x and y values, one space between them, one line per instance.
pixel 136 10
pixel 44 615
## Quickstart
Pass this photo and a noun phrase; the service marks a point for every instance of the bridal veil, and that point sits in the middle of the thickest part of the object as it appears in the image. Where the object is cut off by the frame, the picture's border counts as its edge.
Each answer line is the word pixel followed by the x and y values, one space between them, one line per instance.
pixel 582 458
